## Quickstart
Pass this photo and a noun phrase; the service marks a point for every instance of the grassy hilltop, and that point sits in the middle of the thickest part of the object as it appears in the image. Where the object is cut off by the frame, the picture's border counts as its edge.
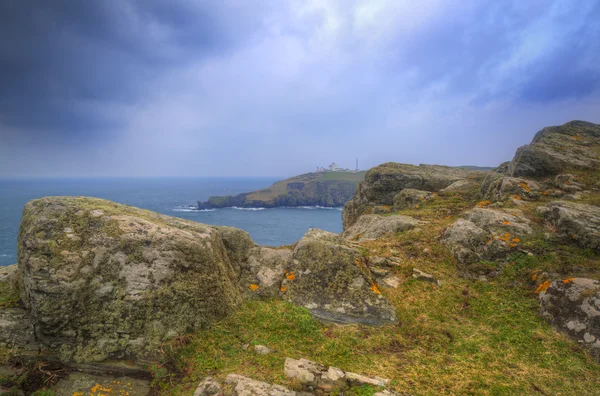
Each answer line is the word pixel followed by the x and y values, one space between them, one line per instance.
pixel 310 189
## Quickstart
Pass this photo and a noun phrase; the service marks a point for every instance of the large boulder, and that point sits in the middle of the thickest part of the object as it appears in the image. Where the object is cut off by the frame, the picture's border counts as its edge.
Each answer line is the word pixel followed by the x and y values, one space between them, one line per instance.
pixel 374 226
pixel 498 187
pixel 102 280
pixel 383 182
pixel 557 149
pixel 334 283
pixel 485 234
pixel 577 221
pixel 409 198
pixel 572 305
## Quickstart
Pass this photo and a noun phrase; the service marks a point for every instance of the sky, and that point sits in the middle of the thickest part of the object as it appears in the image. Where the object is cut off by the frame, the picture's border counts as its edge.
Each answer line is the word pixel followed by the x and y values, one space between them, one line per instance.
pixel 277 88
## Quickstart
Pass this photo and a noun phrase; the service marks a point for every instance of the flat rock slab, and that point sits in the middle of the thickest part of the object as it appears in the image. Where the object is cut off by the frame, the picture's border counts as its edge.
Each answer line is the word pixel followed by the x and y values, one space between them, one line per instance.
pixel 369 227
pixel 81 384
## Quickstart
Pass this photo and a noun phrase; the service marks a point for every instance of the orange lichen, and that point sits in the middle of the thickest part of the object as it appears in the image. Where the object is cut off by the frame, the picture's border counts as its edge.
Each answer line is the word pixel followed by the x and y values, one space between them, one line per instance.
pixel 375 288
pixel 568 280
pixel 254 286
pixel 577 137
pixel 416 206
pixel 506 222
pixel 543 286
pixel 483 204
pixel 517 197
pixel 534 277
pixel 525 187
pixel 283 289
pixel 290 276
pixel 516 240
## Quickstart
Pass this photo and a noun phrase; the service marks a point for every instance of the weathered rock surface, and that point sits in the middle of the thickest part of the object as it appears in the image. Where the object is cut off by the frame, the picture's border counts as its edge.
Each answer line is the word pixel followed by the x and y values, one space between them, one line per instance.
pixel 334 282
pixel 420 275
pixel 485 234
pixel 375 226
pixel 315 376
pixel 209 386
pixel 498 187
pixel 460 186
pixel 580 222
pixel 244 386
pixel 102 280
pixel 16 330
pixel 573 306
pixel 383 182
pixel 557 149
pixel 409 198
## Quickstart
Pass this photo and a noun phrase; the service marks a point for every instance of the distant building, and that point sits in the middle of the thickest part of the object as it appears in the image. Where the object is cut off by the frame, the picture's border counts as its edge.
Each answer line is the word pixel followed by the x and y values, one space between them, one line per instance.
pixel 333 167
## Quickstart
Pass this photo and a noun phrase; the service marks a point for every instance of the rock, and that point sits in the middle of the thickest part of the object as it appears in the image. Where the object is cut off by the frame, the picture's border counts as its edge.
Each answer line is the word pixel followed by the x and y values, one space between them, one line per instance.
pixel 209 386
pixel 308 373
pixel 498 187
pixel 333 378
pixel 16 330
pixel 360 380
pixel 264 268
pixel 102 280
pixel 263 350
pixel 579 222
pixel 420 275
pixel 244 386
pixel 383 182
pixel 556 149
pixel 374 226
pixel 460 186
pixel 567 182
pixel 485 234
pixel 77 383
pixel 409 198
pixel 572 305
pixel 334 283
pixel 392 281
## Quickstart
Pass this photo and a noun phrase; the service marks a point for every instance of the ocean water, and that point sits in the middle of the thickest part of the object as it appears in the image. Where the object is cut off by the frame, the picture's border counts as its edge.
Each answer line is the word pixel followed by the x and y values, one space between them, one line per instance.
pixel 170 196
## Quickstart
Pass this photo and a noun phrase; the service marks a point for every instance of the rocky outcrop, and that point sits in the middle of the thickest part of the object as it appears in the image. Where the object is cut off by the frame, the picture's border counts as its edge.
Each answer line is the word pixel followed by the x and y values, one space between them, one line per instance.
pixel 572 305
pixel 375 226
pixel 383 182
pixel 485 234
pixel 460 186
pixel 102 280
pixel 498 187
pixel 579 222
pixel 334 282
pixel 557 149
pixel 410 198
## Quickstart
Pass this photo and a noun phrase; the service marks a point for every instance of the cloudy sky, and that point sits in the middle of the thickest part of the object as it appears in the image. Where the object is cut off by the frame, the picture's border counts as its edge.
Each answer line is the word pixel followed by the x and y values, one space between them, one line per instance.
pixel 277 87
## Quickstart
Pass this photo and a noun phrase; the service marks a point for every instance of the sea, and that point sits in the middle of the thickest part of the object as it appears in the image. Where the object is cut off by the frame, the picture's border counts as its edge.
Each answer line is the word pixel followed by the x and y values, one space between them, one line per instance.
pixel 171 196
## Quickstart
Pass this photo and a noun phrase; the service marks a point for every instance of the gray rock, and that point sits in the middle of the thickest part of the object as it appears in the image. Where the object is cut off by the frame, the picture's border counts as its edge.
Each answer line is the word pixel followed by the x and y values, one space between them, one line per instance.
pixel 263 350
pixel 374 226
pixel 573 306
pixel 460 186
pixel 134 278
pixel 16 330
pixel 333 281
pixel 556 149
pixel 305 371
pixel 244 386
pixel 383 182
pixel 360 380
pixel 392 281
pixel 498 187
pixel 409 198
pixel 485 234
pixel 567 182
pixel 420 275
pixel 209 386
pixel 579 222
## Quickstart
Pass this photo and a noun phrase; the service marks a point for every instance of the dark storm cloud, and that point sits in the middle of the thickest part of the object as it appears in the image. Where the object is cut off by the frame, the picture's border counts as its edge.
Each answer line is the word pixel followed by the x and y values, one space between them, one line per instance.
pixel 231 87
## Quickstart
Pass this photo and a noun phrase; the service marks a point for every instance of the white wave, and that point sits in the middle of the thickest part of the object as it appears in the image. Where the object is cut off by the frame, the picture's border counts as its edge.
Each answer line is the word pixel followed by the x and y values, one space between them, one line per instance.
pixel 238 208
pixel 191 209
pixel 313 207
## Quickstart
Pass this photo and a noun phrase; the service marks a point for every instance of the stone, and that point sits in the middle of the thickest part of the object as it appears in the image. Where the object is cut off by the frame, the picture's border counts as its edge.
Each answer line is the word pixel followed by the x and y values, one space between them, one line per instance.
pixel 498 187
pixel 16 330
pixel 303 370
pixel 369 227
pixel 263 350
pixel 78 383
pixel 360 380
pixel 333 281
pixel 134 278
pixel 556 149
pixel 383 182
pixel 577 221
pixel 208 386
pixel 265 269
pixel 572 305
pixel 244 386
pixel 567 182
pixel 409 198
pixel 460 186
pixel 420 275
pixel 485 234
pixel 392 281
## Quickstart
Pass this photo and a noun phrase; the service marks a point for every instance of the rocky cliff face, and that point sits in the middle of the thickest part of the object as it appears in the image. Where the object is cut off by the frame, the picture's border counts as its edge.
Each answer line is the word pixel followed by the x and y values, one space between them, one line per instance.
pixel 383 182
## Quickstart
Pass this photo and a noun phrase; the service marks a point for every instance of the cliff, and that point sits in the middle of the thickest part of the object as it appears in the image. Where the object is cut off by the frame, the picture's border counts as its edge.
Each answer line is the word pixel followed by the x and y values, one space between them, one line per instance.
pixel 311 189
